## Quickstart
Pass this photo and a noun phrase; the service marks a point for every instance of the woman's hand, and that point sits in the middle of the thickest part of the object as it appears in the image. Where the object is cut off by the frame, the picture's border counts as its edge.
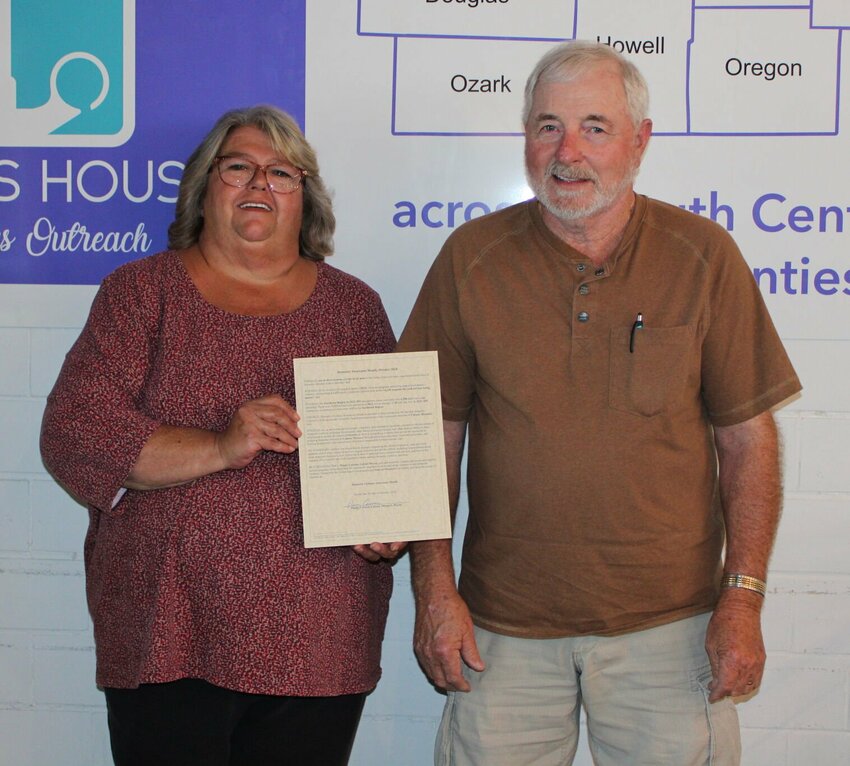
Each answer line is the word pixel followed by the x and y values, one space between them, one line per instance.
pixel 379 551
pixel 174 456
pixel 268 423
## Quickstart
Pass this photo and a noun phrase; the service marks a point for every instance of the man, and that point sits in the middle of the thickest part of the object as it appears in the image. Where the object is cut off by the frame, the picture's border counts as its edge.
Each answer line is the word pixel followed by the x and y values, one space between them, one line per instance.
pixel 616 366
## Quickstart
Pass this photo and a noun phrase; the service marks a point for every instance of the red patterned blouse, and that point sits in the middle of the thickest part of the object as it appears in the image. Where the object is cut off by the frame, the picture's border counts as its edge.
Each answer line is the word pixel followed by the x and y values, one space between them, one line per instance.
pixel 210 579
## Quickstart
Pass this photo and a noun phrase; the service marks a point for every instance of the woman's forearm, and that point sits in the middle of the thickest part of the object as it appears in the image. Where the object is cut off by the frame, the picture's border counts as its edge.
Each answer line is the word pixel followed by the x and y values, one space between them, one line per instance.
pixel 173 456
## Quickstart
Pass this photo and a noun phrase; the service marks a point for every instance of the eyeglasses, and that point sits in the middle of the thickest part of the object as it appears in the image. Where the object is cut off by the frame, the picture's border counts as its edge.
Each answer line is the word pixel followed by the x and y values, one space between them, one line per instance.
pixel 239 172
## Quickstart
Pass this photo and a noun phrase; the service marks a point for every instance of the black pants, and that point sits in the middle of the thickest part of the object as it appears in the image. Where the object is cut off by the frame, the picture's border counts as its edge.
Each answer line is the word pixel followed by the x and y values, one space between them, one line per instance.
pixel 193 723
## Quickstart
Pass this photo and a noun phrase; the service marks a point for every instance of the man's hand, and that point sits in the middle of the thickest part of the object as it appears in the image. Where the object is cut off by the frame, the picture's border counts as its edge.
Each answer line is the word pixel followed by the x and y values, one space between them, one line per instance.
pixel 735 646
pixel 443 638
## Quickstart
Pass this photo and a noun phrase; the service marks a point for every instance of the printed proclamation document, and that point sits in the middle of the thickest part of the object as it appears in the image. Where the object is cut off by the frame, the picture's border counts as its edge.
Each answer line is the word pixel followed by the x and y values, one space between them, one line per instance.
pixel 372 457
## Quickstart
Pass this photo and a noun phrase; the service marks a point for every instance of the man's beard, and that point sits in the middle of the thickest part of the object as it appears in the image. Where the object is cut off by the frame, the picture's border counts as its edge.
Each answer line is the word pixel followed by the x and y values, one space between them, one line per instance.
pixel 566 206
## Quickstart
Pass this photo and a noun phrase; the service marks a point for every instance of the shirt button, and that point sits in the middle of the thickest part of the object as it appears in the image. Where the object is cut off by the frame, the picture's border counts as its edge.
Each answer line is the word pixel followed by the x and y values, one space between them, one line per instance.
pixel 583 290
pixel 583 316
pixel 581 267
pixel 599 272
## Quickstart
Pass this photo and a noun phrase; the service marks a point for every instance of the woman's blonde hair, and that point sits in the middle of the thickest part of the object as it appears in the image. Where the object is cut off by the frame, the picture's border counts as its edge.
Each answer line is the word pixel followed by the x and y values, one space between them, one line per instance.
pixel 317 222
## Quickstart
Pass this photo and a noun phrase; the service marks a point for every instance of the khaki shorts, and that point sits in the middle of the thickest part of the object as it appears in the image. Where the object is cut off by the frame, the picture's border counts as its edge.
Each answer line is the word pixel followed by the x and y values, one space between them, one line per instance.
pixel 645 695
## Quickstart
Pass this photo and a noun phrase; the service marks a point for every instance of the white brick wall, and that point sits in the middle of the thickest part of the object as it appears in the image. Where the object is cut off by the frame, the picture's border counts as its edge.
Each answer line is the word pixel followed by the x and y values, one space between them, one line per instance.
pixel 51 712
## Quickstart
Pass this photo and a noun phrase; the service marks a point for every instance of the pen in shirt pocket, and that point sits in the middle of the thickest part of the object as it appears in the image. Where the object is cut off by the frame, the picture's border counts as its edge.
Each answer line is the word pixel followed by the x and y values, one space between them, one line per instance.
pixel 638 325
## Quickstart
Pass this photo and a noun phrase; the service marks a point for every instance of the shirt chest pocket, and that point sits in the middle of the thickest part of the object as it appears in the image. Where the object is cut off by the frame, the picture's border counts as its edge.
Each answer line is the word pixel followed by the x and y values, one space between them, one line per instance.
pixel 649 368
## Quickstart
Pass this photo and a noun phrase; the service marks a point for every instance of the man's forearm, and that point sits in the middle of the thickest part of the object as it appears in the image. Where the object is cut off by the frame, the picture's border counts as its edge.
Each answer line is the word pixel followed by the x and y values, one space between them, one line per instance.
pixel 432 570
pixel 750 490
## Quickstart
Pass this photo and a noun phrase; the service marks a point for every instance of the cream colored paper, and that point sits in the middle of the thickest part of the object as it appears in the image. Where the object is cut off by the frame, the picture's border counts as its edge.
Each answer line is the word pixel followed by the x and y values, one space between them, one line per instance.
pixel 372 456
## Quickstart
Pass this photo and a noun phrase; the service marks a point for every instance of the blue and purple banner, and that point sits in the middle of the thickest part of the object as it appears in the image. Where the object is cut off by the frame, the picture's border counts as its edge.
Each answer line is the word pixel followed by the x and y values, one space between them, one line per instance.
pixel 102 101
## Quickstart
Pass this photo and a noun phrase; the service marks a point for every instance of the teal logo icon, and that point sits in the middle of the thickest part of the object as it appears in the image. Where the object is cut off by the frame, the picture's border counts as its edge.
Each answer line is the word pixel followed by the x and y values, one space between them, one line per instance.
pixel 67 72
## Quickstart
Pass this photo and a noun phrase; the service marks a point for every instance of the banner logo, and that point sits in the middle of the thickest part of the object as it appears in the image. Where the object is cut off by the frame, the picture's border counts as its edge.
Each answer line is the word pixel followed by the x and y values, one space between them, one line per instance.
pixel 67 72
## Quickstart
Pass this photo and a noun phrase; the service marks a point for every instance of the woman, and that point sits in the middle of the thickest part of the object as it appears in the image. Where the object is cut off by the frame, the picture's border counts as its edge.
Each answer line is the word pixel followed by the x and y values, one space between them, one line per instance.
pixel 220 638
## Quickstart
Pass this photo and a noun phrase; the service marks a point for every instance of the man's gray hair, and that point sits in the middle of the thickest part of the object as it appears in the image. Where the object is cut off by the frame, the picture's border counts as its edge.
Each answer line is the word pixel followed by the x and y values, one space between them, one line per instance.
pixel 570 59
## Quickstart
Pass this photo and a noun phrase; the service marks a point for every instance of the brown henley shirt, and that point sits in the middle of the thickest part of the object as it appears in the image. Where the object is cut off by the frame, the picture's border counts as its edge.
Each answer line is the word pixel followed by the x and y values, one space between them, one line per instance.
pixel 593 497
